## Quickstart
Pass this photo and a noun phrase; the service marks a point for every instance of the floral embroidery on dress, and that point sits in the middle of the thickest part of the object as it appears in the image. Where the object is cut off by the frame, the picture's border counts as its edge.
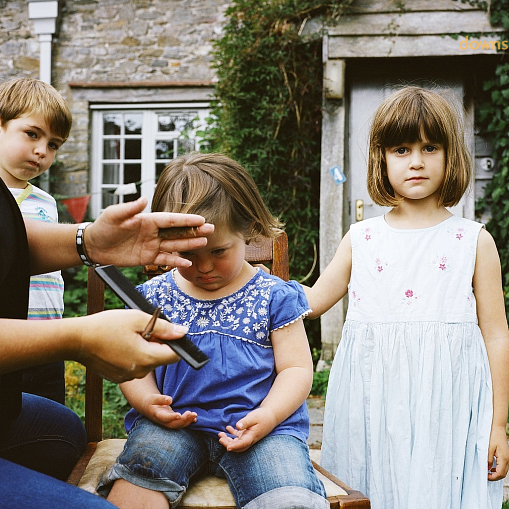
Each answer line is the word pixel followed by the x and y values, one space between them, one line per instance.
pixel 380 264
pixel 410 297
pixel 244 314
pixel 367 233
pixel 440 262
pixel 471 299
pixel 354 298
pixel 458 233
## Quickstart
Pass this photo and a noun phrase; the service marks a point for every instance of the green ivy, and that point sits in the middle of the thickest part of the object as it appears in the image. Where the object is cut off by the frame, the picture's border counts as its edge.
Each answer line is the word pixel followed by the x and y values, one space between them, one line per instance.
pixel 494 120
pixel 75 294
pixel 267 113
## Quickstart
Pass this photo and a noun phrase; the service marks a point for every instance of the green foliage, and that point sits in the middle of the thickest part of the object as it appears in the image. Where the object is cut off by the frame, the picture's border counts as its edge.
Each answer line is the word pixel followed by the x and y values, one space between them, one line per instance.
pixel 320 381
pixel 267 113
pixel 494 118
pixel 75 295
pixel 115 406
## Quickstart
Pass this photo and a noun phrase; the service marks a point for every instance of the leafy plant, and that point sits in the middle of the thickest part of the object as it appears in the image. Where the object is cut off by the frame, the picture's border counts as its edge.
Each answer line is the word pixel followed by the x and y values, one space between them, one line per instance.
pixel 494 117
pixel 75 295
pixel 320 382
pixel 115 405
pixel 267 113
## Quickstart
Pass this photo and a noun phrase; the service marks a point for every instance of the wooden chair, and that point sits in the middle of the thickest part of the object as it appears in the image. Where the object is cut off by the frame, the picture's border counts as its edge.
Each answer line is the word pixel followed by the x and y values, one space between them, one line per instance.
pixel 209 491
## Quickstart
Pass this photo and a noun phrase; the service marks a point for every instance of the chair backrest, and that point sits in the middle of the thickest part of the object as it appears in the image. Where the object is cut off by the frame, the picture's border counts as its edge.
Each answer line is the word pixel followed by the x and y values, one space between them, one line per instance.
pixel 273 252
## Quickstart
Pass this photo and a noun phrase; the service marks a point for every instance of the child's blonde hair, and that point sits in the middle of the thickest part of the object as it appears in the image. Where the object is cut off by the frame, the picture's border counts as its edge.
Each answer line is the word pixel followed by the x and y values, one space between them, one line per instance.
pixel 217 188
pixel 415 114
pixel 26 96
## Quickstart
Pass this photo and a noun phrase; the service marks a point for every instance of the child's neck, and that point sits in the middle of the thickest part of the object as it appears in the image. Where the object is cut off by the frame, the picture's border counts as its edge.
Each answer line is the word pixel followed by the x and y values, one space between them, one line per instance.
pixel 409 216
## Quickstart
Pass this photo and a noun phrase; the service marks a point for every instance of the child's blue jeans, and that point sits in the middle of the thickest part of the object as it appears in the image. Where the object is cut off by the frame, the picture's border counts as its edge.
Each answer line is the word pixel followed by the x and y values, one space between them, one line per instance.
pixel 276 472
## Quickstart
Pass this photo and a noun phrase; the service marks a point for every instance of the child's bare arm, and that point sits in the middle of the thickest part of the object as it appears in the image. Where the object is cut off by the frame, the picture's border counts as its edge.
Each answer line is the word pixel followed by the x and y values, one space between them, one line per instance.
pixel 332 285
pixel 291 387
pixel 145 397
pixel 487 283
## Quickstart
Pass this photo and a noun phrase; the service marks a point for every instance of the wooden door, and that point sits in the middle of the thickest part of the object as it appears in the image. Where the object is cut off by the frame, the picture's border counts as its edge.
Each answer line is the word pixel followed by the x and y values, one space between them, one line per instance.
pixel 369 85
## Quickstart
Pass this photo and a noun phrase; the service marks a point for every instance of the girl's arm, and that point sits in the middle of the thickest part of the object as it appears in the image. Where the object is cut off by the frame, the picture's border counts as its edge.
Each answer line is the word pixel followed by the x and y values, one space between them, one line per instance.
pixel 487 283
pixel 332 285
pixel 146 398
pixel 290 389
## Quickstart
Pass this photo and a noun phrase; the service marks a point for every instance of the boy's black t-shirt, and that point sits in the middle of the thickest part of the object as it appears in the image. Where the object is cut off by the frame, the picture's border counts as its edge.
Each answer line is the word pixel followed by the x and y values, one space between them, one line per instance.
pixel 14 289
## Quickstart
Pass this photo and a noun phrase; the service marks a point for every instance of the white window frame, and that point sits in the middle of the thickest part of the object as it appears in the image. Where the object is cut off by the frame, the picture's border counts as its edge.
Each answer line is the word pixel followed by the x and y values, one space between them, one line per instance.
pixel 150 135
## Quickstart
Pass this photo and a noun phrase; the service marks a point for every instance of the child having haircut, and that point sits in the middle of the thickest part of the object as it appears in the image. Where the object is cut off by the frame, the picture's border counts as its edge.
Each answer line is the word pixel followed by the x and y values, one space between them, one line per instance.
pixel 34 123
pixel 416 406
pixel 243 416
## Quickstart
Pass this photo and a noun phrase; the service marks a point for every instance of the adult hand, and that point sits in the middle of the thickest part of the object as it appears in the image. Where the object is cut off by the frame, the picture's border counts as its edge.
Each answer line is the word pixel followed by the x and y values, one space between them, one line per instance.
pixel 124 236
pixel 110 343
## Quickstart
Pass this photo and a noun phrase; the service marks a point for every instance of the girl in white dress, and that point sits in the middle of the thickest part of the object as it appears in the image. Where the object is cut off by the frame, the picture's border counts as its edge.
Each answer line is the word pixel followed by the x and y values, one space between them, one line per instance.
pixel 417 401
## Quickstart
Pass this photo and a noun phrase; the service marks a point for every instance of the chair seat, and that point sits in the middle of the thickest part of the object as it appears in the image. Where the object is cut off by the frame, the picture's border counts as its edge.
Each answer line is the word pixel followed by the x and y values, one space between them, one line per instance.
pixel 209 491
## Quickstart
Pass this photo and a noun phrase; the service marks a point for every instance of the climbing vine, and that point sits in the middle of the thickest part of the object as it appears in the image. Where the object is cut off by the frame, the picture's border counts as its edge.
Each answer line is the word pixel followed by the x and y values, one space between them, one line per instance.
pixel 268 109
pixel 494 120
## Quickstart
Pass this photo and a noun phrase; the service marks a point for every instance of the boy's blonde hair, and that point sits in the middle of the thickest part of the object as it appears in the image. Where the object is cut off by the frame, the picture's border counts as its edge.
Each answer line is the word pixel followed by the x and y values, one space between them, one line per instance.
pixel 415 114
pixel 26 96
pixel 217 188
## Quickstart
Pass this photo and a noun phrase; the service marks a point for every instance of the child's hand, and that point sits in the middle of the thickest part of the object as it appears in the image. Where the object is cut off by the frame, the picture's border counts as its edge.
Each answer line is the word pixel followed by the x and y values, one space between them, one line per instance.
pixel 500 449
pixel 158 410
pixel 252 428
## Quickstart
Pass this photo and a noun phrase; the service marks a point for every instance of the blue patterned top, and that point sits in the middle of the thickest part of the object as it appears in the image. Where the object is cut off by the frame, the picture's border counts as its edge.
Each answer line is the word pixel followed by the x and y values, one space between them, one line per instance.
pixel 234 331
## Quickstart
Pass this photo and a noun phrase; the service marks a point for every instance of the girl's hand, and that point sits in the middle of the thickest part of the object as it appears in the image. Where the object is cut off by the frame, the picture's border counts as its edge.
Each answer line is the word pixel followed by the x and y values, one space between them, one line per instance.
pixel 252 428
pixel 500 450
pixel 157 408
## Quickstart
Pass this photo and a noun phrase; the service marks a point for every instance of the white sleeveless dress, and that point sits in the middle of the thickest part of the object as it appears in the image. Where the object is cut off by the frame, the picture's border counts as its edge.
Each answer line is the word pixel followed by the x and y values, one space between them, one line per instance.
pixel 409 403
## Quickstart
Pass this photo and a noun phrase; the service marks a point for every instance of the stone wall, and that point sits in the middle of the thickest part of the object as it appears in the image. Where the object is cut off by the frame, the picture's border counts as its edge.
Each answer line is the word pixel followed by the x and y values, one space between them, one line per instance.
pixel 112 42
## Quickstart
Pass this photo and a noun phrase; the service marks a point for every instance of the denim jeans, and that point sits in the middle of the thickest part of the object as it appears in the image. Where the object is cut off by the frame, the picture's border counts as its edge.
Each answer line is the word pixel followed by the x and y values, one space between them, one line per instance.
pixel 46 437
pixel 21 488
pixel 276 472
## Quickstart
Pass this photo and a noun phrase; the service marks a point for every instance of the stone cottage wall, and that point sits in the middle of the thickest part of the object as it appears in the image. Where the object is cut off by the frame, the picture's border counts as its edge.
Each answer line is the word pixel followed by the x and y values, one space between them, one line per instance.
pixel 108 42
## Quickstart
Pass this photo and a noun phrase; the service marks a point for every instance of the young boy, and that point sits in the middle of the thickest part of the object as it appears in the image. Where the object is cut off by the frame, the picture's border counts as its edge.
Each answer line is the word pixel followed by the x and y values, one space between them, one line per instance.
pixel 34 123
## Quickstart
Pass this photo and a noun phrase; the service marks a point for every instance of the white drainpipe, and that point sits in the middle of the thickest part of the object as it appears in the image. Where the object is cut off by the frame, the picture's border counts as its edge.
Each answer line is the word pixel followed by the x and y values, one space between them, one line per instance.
pixel 44 14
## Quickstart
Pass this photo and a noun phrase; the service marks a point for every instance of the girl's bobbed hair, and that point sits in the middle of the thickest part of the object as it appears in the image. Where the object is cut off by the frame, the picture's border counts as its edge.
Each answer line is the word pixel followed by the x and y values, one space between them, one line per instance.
pixel 217 188
pixel 414 114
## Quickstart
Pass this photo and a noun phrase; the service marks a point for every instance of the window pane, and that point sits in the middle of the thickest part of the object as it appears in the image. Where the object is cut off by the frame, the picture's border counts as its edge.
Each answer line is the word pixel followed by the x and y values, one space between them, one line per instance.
pixel 132 149
pixel 132 173
pixel 177 122
pixel 112 123
pixel 164 149
pixel 133 122
pixel 108 199
pixel 111 174
pixel 184 146
pixel 111 149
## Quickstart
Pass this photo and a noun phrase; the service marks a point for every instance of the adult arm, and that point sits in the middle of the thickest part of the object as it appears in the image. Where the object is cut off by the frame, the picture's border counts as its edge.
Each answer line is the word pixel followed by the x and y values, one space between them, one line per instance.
pixel 122 235
pixel 487 283
pixel 108 342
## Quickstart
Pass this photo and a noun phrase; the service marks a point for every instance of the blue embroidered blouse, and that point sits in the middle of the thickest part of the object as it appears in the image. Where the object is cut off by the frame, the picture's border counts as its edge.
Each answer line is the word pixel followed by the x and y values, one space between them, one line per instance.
pixel 234 331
